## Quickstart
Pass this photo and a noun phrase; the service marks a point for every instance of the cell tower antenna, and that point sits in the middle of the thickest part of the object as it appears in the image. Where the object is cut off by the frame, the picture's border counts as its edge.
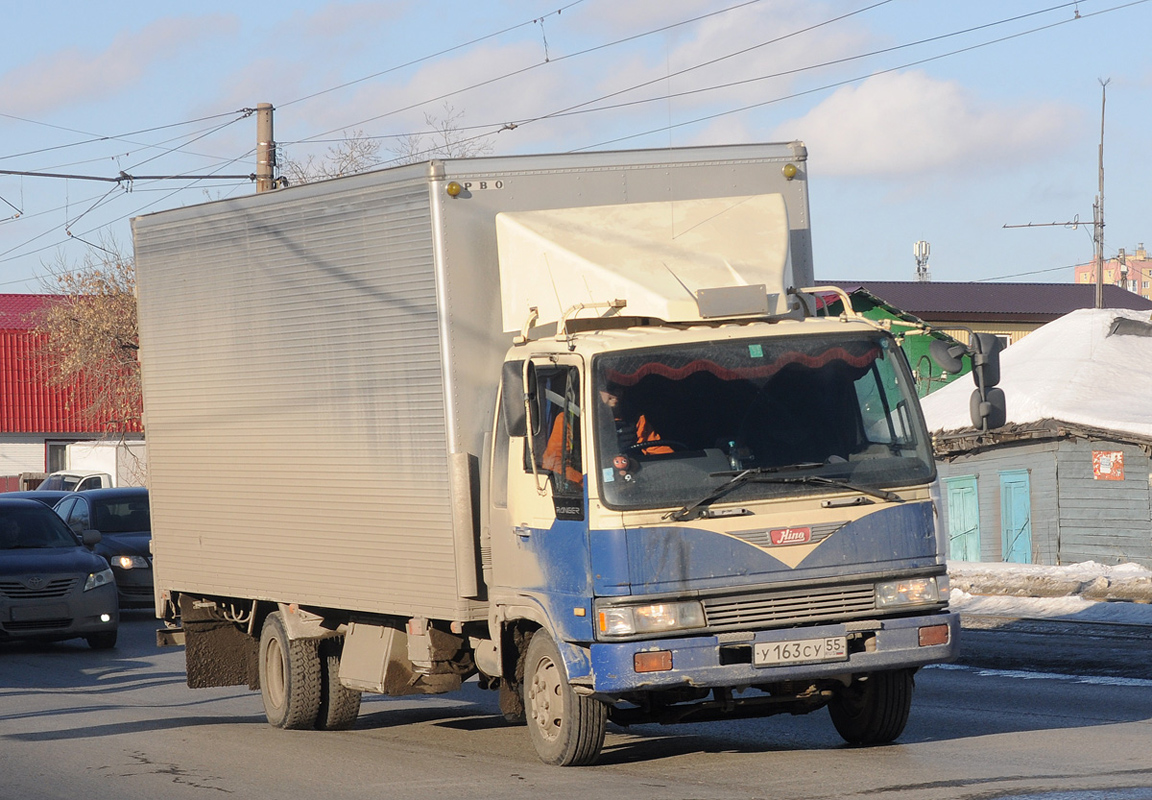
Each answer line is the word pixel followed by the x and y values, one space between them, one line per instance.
pixel 921 250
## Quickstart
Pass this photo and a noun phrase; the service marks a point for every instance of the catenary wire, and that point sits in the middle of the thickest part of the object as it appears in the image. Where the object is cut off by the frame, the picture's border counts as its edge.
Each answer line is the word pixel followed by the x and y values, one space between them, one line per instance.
pixel 857 79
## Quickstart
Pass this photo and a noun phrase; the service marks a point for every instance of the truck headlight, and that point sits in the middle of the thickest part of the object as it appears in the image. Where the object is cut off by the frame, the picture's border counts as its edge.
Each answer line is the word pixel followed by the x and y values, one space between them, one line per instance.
pixel 653 618
pixel 100 578
pixel 908 592
pixel 130 562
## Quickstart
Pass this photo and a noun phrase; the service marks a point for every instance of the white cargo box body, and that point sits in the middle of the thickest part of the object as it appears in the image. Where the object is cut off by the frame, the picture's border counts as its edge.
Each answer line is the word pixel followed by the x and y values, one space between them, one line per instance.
pixel 125 461
pixel 321 362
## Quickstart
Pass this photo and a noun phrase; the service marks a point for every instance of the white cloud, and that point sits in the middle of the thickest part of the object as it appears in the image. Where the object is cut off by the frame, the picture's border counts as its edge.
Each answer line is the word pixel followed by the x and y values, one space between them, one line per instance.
pixel 904 123
pixel 72 76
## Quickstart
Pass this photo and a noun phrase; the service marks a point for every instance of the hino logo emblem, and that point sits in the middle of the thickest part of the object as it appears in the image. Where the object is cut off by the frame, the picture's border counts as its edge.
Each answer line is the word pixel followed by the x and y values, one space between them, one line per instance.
pixel 791 535
pixel 35 582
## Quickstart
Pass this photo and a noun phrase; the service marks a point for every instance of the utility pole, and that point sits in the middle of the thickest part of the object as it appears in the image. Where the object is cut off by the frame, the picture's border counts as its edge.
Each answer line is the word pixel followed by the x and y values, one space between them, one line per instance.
pixel 265 149
pixel 1098 208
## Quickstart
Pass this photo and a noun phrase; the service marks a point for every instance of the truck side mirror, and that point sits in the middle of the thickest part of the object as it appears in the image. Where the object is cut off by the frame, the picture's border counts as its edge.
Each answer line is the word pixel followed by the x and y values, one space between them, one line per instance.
pixel 512 398
pixel 990 411
pixel 987 404
pixel 947 355
pixel 986 360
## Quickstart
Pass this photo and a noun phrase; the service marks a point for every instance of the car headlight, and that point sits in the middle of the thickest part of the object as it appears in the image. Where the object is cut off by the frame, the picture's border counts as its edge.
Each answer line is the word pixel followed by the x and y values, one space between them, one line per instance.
pixel 909 592
pixel 100 578
pixel 653 618
pixel 130 562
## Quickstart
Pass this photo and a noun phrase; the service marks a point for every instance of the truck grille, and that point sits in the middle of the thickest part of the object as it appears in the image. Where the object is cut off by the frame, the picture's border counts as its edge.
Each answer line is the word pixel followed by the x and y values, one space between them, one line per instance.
pixel 18 591
pixel 784 609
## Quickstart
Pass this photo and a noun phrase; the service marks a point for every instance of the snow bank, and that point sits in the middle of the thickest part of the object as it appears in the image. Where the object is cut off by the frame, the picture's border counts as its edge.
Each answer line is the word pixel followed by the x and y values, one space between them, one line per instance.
pixel 1071 370
pixel 1087 591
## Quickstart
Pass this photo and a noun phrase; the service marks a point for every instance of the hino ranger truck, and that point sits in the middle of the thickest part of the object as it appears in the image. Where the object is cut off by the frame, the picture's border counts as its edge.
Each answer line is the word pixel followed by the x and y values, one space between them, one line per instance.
pixel 573 426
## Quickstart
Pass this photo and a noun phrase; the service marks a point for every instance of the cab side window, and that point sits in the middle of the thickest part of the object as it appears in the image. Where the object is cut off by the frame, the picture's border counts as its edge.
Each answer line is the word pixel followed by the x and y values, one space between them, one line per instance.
pixel 556 437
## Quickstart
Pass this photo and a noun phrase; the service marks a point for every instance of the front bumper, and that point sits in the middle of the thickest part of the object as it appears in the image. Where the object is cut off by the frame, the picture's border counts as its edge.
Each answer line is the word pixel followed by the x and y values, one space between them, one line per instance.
pixel 72 616
pixel 724 661
pixel 134 587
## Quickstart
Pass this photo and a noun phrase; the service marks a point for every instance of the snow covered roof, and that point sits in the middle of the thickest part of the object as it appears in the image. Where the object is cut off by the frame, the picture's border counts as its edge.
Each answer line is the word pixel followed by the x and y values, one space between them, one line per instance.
pixel 1085 368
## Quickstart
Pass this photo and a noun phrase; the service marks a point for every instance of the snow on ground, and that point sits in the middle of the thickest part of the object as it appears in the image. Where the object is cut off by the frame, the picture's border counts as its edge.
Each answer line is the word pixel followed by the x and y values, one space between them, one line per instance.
pixel 1085 592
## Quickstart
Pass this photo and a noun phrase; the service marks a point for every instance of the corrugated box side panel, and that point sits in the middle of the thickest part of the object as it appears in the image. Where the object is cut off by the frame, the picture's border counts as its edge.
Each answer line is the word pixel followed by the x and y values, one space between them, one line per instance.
pixel 295 399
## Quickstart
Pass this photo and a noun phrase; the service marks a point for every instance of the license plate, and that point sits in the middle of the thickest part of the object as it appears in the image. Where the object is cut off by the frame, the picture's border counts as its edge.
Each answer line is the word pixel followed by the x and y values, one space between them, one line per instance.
pixel 38 613
pixel 804 651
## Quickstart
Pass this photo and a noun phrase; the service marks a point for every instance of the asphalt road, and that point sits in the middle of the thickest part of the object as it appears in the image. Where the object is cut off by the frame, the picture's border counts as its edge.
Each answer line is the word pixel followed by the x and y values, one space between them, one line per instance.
pixel 122 725
pixel 1057 646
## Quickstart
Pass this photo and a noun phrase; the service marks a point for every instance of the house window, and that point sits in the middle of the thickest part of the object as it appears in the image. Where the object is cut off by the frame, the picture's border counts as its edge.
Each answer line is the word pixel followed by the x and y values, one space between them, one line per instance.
pixel 56 456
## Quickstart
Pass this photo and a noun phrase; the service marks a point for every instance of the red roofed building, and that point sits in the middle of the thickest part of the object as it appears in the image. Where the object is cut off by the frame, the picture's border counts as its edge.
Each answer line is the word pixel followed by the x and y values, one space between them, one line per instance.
pixel 37 420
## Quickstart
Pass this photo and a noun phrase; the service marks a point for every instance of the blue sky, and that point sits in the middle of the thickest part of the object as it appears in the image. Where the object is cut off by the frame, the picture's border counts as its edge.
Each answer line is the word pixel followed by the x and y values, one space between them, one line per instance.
pixel 924 119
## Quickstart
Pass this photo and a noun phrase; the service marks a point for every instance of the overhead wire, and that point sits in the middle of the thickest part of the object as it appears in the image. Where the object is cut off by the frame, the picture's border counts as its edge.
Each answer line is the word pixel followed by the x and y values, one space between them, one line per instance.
pixel 98 138
pixel 857 79
pixel 536 65
pixel 574 109
pixel 431 56
pixel 579 108
pixel 6 257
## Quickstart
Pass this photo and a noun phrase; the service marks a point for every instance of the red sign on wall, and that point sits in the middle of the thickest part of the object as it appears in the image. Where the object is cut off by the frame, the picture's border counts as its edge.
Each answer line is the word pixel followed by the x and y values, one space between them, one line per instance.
pixel 1108 465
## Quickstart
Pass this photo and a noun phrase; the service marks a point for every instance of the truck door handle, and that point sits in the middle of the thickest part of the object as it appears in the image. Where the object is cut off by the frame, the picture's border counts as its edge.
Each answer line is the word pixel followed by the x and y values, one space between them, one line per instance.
pixel 523 531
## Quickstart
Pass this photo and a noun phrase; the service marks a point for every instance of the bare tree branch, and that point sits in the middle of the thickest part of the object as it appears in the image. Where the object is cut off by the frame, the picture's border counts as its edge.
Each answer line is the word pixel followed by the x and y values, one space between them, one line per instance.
pixel 90 338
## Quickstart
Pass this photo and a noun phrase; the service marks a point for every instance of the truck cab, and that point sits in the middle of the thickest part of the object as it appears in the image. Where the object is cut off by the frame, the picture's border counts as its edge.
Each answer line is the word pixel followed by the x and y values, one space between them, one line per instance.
pixel 721 506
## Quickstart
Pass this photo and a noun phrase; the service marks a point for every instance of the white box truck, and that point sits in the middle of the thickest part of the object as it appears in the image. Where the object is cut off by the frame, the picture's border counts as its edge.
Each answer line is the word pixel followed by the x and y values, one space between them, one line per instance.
pixel 568 424
pixel 124 462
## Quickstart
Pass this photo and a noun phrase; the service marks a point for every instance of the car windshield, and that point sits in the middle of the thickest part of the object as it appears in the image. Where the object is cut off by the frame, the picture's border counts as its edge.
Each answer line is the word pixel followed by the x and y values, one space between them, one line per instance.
pixel 34 527
pixel 127 515
pixel 674 425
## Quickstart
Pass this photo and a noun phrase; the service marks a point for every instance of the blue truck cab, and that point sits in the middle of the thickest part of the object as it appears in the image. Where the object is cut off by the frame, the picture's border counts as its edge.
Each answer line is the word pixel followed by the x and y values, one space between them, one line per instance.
pixel 731 519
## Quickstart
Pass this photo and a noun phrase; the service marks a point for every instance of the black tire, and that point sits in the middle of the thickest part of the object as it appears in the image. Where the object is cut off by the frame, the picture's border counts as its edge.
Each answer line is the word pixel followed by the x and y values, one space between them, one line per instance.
pixel 566 729
pixel 101 641
pixel 339 705
pixel 874 708
pixel 289 677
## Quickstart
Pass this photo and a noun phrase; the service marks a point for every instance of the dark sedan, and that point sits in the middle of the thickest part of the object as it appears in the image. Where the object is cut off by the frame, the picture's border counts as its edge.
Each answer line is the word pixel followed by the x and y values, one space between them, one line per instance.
pixel 51 586
pixel 121 517
pixel 49 497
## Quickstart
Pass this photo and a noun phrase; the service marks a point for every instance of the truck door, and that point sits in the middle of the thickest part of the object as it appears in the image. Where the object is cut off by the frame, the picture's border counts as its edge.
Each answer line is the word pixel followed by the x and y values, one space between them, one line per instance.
pixel 539 539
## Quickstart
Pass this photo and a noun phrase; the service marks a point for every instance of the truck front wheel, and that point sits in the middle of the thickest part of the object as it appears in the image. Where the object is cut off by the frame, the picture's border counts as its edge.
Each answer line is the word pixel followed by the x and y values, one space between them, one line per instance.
pixel 566 729
pixel 874 708
pixel 289 677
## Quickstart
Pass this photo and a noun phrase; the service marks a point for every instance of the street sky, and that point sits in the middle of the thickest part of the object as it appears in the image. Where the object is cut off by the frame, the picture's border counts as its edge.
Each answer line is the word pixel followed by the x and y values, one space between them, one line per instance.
pixel 924 119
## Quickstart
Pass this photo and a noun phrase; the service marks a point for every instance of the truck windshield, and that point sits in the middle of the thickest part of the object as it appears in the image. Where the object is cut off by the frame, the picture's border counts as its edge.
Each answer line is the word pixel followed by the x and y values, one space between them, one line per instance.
pixel 675 424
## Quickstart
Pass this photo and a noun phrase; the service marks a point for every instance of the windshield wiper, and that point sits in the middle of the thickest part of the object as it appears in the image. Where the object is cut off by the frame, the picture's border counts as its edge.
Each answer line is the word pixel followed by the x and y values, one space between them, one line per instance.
pixel 739 478
pixel 820 480
pixel 769 475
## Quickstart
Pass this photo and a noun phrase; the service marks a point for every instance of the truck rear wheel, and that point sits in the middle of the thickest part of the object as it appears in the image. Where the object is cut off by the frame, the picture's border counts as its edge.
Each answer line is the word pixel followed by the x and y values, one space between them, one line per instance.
pixel 566 729
pixel 873 709
pixel 289 677
pixel 339 705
